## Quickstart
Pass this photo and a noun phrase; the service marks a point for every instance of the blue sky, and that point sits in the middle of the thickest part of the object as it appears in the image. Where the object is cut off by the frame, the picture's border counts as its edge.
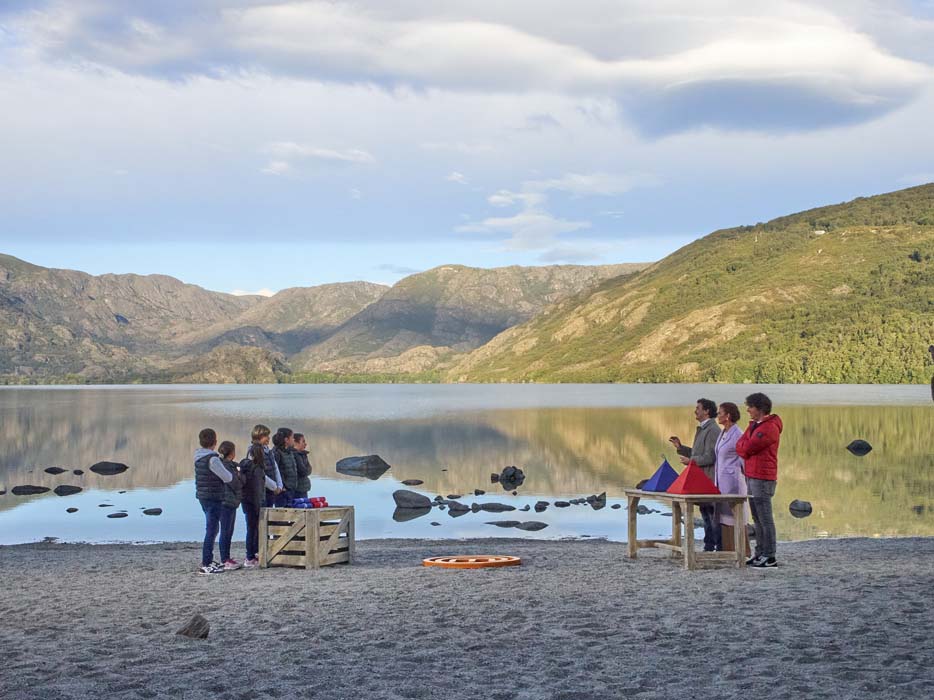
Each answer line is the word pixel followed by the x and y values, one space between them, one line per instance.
pixel 246 145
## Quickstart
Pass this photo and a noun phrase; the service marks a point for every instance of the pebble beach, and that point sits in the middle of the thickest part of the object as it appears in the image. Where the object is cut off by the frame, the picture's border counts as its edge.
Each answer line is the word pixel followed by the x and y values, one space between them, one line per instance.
pixel 577 620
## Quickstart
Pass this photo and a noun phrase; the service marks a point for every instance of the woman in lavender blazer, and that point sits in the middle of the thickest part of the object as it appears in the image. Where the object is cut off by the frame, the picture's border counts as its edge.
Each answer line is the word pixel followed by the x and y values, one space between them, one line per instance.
pixel 729 475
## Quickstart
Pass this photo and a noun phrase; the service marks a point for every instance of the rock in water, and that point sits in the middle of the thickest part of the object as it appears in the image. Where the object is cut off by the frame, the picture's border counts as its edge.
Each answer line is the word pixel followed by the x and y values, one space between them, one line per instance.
pixel 152 511
pixel 435 524
pixel 77 472
pixel 197 628
pixel 54 470
pixel 526 507
pixel 457 506
pixel 540 506
pixel 617 506
pixel 478 492
pixel 410 499
pixel 109 468
pixel 860 448
pixel 403 515
pixel 532 525
pixel 71 510
pixel 511 478
pixel 643 510
pixel 496 507
pixel 504 523
pixel 598 502
pixel 369 466
pixel 116 515
pixel 2 491
pixel 454 495
pixel 28 490
pixel 66 490
pixel 800 509
pixel 562 504
pixel 413 482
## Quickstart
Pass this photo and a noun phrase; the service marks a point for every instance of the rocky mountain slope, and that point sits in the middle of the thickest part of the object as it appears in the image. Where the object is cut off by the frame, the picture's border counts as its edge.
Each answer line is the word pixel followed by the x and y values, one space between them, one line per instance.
pixel 843 293
pixel 432 316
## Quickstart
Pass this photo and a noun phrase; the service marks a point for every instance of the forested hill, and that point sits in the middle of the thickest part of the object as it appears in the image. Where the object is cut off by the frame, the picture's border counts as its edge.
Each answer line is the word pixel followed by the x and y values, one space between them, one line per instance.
pixel 842 293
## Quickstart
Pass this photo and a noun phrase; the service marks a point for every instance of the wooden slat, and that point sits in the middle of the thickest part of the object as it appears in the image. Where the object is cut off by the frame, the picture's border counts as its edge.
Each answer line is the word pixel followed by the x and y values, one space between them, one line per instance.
pixel 351 537
pixel 279 544
pixel 326 545
pixel 313 532
pixel 715 556
pixel 676 525
pixel 288 560
pixel 263 537
pixel 336 558
pixel 280 530
pixel 666 545
pixel 632 502
pixel 648 544
pixel 689 536
pixel 739 534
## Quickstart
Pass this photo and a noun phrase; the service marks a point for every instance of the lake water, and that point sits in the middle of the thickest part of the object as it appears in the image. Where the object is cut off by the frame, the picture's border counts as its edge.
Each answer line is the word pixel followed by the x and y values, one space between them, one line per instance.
pixel 571 441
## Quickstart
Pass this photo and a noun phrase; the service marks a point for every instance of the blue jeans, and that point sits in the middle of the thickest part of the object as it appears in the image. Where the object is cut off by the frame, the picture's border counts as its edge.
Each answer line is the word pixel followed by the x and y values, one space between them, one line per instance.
pixel 212 520
pixel 760 502
pixel 228 520
pixel 251 515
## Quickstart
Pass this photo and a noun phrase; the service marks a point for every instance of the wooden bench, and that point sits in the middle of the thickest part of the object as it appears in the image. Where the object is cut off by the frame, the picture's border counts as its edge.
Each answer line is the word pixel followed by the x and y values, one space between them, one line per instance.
pixel 309 538
pixel 683 504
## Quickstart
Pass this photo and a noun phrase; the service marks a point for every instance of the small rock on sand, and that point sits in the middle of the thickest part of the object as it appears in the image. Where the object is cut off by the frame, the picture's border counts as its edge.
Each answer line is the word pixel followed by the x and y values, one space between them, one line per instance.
pixel 152 511
pixel 410 499
pixel 413 482
pixel 117 515
pixel 28 490
pixel 109 468
pixel 71 510
pixel 800 509
pixel 197 628
pixel 54 470
pixel 67 490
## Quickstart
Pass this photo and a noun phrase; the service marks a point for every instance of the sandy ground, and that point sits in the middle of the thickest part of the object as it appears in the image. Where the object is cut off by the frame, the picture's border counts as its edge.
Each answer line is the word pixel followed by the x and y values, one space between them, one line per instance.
pixel 840 619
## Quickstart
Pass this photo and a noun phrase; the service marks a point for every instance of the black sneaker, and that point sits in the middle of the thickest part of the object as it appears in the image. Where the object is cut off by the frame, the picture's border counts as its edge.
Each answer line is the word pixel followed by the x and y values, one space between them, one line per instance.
pixel 765 563
pixel 752 560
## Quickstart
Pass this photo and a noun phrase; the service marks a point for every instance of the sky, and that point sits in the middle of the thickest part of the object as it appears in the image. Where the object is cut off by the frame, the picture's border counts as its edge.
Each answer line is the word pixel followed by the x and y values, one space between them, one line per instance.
pixel 251 146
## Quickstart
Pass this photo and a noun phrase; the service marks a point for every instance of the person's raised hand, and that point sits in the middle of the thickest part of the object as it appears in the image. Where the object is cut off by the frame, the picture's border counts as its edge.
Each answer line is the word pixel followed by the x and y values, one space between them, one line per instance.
pixel 674 440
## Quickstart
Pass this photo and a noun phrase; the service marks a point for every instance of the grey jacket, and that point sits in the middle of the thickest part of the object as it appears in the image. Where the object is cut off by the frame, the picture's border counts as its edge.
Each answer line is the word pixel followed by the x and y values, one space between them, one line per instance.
pixel 704 450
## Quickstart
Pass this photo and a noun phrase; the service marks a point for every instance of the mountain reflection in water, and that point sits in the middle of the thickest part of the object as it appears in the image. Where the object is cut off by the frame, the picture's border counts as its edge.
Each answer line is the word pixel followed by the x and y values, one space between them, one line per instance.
pixel 453 445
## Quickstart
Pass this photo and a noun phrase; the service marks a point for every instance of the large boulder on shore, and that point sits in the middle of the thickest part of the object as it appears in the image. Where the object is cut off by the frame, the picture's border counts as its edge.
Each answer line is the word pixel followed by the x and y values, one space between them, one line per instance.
pixel 410 499
pixel 368 466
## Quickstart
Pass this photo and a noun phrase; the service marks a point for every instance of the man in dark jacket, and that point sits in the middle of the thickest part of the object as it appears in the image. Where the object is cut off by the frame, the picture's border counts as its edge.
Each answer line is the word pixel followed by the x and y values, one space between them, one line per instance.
pixel 758 446
pixel 704 454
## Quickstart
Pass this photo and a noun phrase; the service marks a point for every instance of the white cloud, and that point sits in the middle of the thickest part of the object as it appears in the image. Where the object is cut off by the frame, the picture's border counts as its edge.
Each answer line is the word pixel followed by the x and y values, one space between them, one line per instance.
pixel 457 147
pixel 457 177
pixel 277 167
pixel 355 193
pixel 531 229
pixel 292 150
pixel 260 292
pixel 591 184
pixel 670 66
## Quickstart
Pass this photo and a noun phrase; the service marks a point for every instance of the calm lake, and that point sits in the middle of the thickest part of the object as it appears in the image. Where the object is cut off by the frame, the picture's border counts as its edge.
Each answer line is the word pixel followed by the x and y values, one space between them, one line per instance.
pixel 571 441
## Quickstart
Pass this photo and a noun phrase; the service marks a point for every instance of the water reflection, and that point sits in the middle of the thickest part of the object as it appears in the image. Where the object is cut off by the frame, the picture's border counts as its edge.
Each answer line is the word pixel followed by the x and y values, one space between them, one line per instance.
pixel 565 452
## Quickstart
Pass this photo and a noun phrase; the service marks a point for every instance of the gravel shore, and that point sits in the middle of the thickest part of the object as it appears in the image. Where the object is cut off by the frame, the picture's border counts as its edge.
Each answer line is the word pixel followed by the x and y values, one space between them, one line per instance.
pixel 838 619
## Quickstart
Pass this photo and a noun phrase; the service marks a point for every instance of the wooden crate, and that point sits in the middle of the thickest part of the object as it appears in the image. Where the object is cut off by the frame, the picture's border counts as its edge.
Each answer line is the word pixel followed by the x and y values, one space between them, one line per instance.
pixel 309 538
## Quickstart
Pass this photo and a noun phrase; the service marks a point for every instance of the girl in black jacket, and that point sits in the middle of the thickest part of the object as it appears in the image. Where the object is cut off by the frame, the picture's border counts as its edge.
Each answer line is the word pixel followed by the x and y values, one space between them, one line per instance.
pixel 253 476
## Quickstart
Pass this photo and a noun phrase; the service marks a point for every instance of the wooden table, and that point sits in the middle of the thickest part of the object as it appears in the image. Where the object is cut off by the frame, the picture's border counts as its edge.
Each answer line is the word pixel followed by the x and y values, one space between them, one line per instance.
pixel 684 504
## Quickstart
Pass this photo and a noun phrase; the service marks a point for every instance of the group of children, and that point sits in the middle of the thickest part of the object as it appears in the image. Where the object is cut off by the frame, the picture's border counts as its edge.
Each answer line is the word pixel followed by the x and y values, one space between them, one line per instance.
pixel 265 477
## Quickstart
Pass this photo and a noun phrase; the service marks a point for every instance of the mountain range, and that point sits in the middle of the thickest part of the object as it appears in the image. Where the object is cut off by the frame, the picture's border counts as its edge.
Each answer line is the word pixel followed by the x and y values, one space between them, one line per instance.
pixel 843 293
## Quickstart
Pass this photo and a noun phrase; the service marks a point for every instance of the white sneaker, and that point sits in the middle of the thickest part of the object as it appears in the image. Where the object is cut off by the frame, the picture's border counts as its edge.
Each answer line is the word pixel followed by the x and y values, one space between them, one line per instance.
pixel 232 565
pixel 212 568
pixel 251 563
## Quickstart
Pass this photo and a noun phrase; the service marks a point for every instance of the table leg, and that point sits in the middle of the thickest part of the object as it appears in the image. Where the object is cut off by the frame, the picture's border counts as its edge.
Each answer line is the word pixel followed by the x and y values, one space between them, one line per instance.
pixel 632 503
pixel 689 536
pixel 739 533
pixel 675 525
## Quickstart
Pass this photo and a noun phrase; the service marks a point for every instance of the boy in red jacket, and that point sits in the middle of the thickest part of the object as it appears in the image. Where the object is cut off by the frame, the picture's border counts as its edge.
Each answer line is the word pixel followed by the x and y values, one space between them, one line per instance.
pixel 758 446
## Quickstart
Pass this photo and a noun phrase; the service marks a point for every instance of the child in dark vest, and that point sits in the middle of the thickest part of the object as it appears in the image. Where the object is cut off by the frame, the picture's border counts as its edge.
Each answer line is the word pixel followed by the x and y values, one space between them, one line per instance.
pixel 302 464
pixel 232 498
pixel 260 436
pixel 288 468
pixel 255 485
pixel 211 477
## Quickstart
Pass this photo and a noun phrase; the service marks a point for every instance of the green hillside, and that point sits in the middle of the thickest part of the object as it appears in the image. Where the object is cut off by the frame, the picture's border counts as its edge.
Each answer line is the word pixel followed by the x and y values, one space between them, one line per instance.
pixel 843 293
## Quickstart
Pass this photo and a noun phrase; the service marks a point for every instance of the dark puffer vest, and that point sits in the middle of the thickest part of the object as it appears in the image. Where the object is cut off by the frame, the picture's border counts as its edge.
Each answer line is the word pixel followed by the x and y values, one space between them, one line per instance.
pixel 233 492
pixel 303 466
pixel 287 469
pixel 208 485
